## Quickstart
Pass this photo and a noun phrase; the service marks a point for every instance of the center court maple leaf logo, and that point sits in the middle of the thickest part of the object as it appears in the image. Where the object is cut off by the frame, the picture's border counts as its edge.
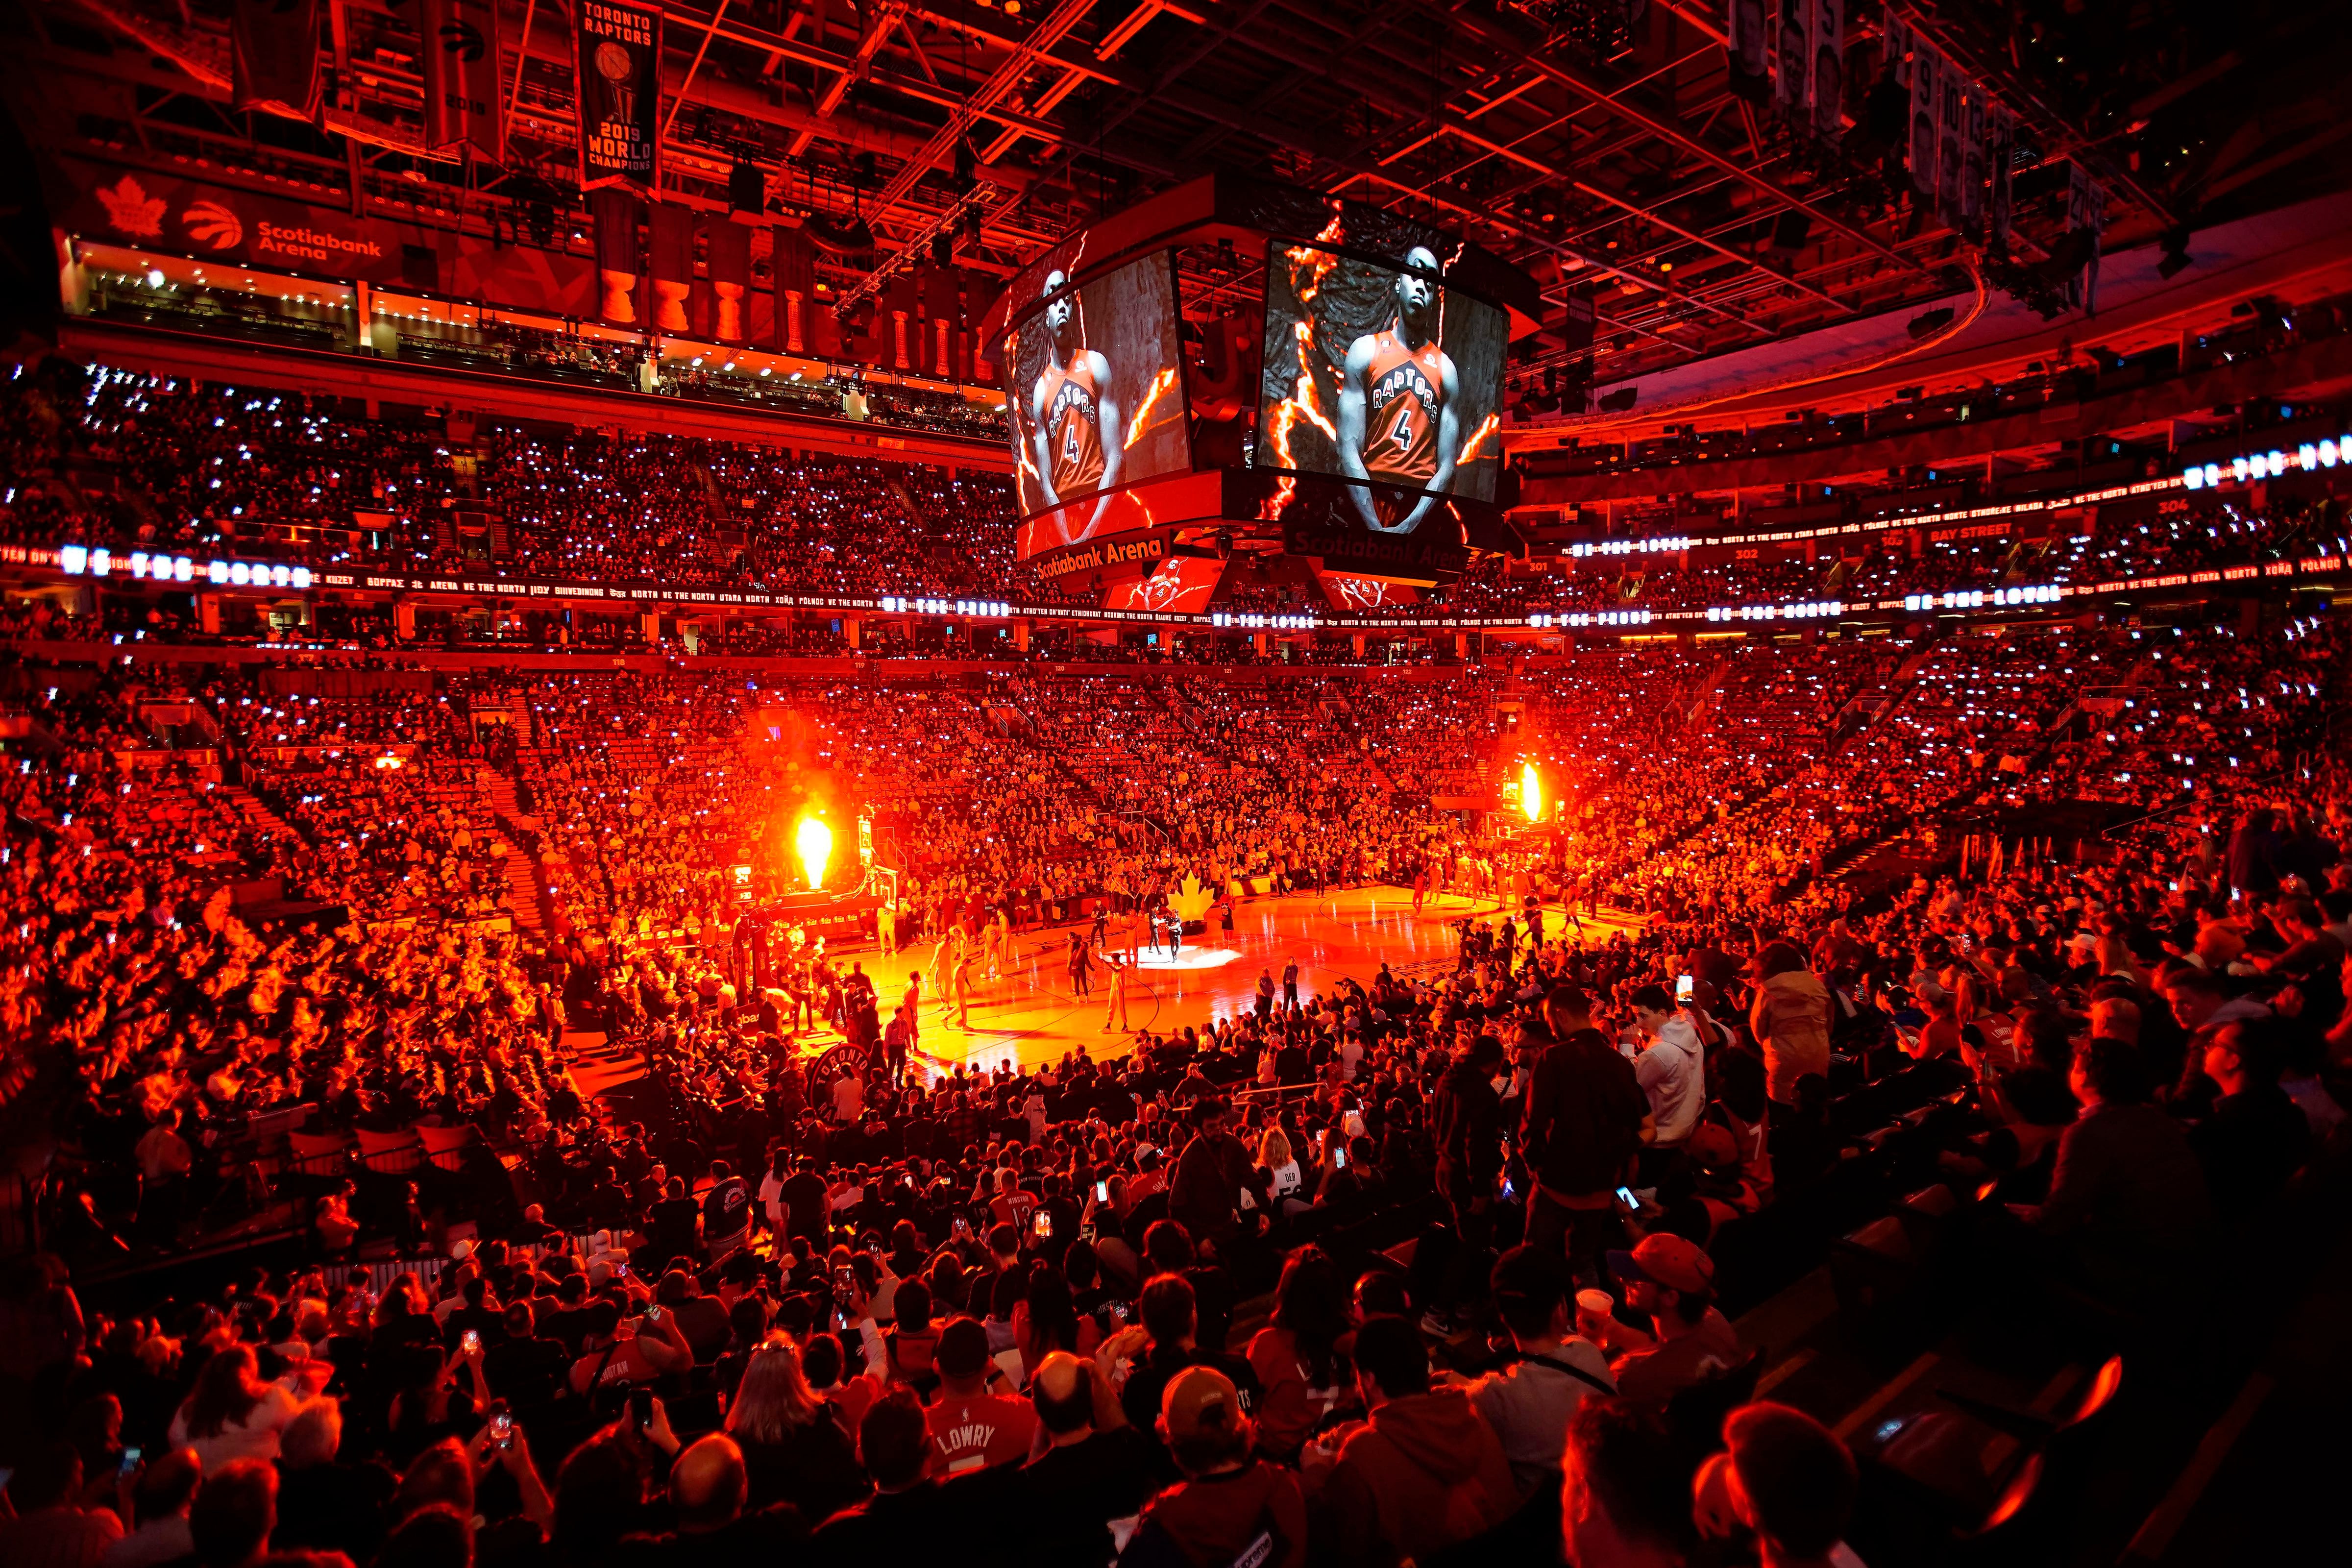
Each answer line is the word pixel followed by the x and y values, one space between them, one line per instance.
pixel 209 223
pixel 131 210
pixel 1192 900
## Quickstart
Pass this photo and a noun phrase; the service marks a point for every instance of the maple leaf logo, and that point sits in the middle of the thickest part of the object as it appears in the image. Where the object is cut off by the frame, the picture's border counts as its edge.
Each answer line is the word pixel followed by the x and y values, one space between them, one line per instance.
pixel 131 210
pixel 1192 902
pixel 209 223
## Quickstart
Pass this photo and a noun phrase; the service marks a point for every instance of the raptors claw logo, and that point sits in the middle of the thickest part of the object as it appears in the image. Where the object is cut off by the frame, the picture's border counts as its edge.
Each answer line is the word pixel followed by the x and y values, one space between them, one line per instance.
pixel 209 223
pixel 1155 593
pixel 131 210
pixel 462 39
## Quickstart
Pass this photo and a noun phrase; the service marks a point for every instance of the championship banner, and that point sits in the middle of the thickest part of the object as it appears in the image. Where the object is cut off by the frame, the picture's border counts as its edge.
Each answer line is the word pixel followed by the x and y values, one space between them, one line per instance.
pixel 901 333
pixel 1789 74
pixel 2001 140
pixel 1972 165
pixel 617 214
pixel 274 57
pixel 462 103
pixel 1894 43
pixel 791 269
pixel 619 95
pixel 672 251
pixel 727 247
pixel 1951 136
pixel 1748 54
pixel 1924 86
pixel 1828 83
pixel 942 315
pixel 2086 213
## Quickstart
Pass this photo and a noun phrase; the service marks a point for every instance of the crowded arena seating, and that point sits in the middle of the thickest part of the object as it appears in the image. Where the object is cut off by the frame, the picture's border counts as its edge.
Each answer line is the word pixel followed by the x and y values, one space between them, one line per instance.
pixel 1911 414
pixel 132 461
pixel 531 860
pixel 98 456
pixel 428 997
pixel 1652 869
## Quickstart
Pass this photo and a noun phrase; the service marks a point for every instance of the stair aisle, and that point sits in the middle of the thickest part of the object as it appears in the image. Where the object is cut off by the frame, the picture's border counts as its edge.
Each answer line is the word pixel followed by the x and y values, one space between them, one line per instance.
pixel 526 882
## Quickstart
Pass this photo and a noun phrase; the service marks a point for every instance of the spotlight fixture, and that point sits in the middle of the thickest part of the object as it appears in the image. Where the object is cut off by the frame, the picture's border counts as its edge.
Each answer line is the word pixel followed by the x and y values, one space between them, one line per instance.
pixel 747 187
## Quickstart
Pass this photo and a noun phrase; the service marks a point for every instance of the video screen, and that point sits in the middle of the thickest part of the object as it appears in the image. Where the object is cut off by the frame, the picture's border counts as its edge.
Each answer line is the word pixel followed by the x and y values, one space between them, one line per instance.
pixel 1095 400
pixel 1376 370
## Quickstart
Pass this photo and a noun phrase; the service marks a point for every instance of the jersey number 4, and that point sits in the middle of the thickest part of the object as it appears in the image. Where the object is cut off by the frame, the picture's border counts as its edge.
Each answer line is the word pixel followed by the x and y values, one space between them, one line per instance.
pixel 1069 440
pixel 1403 435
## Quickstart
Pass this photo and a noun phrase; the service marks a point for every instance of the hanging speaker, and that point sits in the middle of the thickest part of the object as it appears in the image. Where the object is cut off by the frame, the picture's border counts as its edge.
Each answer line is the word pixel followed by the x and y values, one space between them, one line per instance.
pixel 747 187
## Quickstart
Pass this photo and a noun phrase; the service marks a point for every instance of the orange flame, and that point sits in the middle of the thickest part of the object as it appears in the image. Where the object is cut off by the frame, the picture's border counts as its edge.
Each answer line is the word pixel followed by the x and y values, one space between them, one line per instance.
pixel 1160 385
pixel 1476 435
pixel 1316 264
pixel 1036 481
pixel 1299 405
pixel 1309 266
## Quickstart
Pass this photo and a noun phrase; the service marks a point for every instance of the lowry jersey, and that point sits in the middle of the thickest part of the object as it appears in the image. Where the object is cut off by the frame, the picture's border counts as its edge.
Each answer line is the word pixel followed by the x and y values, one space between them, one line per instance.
pixel 1401 403
pixel 1073 428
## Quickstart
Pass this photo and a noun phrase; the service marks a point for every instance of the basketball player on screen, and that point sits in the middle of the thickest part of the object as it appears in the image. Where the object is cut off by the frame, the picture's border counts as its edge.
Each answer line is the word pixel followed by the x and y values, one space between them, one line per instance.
pixel 1398 404
pixel 1070 411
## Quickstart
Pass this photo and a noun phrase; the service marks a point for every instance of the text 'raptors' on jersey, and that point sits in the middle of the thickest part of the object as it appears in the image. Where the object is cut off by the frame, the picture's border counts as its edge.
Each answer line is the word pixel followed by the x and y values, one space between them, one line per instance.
pixel 1073 423
pixel 1400 393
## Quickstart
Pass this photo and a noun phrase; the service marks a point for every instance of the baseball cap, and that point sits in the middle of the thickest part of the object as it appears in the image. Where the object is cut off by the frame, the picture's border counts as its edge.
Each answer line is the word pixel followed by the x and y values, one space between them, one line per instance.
pixel 963 1349
pixel 1712 1146
pixel 1668 1260
pixel 1191 1404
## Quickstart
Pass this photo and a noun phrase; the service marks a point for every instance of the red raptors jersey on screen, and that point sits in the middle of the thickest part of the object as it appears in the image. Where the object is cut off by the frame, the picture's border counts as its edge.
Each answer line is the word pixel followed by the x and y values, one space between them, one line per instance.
pixel 1072 429
pixel 1400 399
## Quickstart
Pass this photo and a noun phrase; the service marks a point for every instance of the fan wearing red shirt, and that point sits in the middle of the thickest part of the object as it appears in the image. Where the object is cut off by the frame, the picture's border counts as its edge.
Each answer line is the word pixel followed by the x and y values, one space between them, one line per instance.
pixel 612 1357
pixel 970 1427
pixel 1152 1178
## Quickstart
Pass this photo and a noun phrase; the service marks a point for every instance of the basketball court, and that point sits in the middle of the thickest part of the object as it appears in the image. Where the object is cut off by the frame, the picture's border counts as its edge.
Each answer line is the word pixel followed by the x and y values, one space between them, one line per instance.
pixel 1030 1016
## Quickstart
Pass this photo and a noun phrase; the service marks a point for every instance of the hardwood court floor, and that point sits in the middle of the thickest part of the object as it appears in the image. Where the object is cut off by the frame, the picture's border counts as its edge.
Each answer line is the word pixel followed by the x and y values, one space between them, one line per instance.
pixel 1030 1014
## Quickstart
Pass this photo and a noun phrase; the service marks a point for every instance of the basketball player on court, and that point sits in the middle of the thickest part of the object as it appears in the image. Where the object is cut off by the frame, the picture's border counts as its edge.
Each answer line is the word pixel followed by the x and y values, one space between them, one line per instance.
pixel 1071 412
pixel 1399 404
